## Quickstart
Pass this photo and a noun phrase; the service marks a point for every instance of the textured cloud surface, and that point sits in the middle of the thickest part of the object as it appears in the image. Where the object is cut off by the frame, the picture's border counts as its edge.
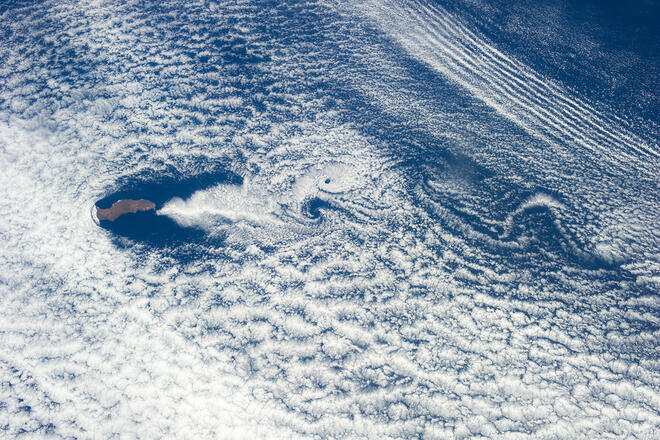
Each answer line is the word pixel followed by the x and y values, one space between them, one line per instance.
pixel 429 239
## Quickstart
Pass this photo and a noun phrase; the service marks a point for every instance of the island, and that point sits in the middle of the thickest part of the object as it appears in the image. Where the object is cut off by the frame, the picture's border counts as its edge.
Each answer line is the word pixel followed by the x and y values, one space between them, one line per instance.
pixel 121 207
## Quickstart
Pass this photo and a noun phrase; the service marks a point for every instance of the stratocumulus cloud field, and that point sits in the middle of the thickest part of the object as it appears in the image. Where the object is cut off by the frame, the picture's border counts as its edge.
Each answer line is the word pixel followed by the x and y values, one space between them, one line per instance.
pixel 380 219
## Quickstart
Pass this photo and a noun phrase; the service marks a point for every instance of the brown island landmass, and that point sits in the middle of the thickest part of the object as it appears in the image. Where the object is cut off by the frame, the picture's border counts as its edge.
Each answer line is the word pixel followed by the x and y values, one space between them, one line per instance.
pixel 121 207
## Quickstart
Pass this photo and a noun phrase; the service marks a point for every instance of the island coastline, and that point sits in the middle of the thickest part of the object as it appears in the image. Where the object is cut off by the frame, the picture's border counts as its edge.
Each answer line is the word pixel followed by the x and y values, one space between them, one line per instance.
pixel 125 206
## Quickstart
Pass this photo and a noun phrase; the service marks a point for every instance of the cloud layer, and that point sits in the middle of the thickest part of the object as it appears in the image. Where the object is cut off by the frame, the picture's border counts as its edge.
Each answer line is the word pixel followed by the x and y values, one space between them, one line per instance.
pixel 408 256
